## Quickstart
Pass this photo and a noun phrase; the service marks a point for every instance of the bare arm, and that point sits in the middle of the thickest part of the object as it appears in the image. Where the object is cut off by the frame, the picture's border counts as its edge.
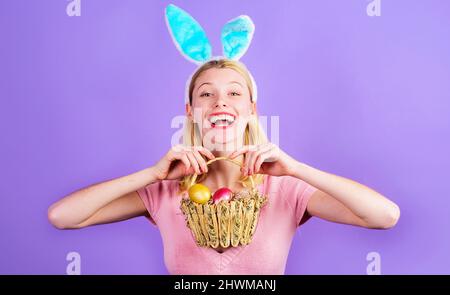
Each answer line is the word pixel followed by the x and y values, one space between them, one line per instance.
pixel 117 199
pixel 338 199
pixel 104 202
pixel 345 201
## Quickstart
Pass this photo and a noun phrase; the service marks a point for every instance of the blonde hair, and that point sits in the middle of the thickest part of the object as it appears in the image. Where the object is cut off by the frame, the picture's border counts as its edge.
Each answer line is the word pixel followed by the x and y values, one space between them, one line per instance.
pixel 254 134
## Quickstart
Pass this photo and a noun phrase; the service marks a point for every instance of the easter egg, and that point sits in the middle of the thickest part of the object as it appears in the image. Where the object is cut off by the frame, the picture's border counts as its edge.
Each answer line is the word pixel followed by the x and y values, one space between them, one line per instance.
pixel 199 193
pixel 222 194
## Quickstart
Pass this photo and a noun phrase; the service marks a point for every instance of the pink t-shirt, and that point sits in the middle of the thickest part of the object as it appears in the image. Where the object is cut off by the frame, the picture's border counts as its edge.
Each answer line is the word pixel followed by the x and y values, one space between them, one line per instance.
pixel 266 254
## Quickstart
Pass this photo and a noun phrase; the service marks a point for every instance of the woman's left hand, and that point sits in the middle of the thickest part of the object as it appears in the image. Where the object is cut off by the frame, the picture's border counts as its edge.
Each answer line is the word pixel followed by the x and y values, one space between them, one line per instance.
pixel 265 158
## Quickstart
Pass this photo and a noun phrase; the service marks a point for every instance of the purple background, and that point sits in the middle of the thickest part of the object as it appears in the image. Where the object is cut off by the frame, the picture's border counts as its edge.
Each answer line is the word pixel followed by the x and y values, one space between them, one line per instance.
pixel 90 98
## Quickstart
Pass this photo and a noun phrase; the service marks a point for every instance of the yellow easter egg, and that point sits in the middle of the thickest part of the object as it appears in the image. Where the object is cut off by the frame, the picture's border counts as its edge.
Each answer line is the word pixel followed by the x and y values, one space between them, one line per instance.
pixel 199 193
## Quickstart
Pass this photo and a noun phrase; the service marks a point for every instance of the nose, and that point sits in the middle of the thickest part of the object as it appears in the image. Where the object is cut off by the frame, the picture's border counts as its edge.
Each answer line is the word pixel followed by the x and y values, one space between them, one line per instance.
pixel 220 102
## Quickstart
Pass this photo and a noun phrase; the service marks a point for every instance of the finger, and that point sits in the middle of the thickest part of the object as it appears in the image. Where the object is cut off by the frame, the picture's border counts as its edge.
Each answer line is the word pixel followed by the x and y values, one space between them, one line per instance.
pixel 239 151
pixel 242 150
pixel 246 163
pixel 206 152
pixel 254 156
pixel 251 162
pixel 174 155
pixel 263 149
pixel 234 154
pixel 200 161
pixel 261 158
pixel 251 150
pixel 181 157
pixel 194 163
pixel 178 148
pixel 186 162
pixel 176 152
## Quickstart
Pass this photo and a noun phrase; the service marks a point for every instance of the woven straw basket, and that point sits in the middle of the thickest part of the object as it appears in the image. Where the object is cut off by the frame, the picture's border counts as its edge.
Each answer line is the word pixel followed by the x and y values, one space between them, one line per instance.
pixel 227 223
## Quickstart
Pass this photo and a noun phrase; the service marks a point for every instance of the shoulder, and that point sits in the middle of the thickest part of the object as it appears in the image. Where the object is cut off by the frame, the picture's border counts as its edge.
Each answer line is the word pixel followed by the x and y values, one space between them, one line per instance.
pixel 159 188
pixel 158 194
pixel 292 192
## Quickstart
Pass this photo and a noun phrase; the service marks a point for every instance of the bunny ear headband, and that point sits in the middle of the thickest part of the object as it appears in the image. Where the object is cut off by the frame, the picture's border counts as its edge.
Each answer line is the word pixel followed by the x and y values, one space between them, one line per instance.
pixel 191 40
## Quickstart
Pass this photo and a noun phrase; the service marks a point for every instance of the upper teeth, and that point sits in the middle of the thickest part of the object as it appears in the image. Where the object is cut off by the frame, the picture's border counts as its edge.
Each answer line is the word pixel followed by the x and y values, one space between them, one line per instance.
pixel 228 118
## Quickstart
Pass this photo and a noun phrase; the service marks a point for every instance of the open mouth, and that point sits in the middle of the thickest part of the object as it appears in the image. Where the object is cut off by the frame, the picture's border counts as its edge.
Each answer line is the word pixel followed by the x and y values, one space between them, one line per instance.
pixel 223 120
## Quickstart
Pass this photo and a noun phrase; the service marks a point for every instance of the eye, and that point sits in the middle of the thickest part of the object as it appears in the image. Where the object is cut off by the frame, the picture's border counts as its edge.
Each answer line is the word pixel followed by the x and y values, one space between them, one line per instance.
pixel 234 93
pixel 205 94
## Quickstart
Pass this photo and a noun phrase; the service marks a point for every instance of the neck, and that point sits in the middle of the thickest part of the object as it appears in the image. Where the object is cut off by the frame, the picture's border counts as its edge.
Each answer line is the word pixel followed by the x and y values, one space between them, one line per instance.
pixel 223 173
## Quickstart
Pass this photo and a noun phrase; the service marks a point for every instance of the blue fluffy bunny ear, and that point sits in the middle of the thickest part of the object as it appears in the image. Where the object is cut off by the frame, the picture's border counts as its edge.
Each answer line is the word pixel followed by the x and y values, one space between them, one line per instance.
pixel 236 36
pixel 187 34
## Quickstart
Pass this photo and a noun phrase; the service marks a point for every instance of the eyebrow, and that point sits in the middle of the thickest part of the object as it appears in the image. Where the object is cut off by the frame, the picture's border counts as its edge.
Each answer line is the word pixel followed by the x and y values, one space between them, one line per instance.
pixel 211 83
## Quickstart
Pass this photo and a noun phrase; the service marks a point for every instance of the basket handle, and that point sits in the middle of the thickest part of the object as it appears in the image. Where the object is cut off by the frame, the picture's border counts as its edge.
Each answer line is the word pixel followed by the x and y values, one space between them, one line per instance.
pixel 194 177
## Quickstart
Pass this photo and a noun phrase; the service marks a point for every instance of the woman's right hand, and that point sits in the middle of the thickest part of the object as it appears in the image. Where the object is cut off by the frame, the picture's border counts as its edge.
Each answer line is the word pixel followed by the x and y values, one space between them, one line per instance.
pixel 182 160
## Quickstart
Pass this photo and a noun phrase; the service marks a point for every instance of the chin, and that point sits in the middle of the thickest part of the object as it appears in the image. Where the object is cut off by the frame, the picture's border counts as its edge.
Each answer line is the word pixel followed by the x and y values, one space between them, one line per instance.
pixel 223 139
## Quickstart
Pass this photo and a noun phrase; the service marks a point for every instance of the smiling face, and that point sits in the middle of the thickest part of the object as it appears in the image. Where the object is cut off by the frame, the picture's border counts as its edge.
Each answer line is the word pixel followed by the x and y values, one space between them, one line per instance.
pixel 222 106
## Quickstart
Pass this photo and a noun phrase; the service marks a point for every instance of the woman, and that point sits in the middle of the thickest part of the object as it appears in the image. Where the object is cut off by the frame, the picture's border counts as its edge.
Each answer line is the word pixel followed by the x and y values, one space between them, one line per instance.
pixel 222 122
